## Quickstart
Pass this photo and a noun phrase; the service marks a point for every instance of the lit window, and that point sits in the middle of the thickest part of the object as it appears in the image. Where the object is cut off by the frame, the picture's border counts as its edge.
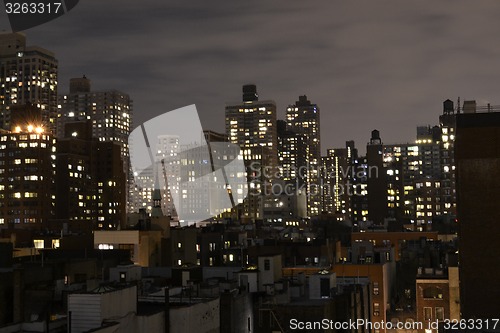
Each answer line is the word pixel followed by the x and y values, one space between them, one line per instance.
pixel 440 313
pixel 39 243
pixel 376 309
pixel 55 243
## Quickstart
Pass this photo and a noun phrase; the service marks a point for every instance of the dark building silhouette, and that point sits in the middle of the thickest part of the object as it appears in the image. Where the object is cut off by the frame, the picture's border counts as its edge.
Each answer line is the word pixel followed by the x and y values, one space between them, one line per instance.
pixel 477 158
pixel 376 180
pixel 90 180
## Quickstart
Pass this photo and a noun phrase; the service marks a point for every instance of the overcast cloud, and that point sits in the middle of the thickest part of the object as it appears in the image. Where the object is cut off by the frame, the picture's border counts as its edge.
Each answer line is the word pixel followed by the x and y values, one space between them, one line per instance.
pixel 367 64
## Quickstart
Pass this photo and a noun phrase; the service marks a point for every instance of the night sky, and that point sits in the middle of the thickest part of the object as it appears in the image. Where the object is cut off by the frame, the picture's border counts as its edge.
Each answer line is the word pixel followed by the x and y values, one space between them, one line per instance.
pixel 367 64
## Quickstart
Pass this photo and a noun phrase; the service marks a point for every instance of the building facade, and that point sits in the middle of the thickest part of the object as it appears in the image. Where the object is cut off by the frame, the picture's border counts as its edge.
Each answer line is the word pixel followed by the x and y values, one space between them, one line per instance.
pixel 28 75
pixel 477 161
pixel 27 172
pixel 303 119
pixel 251 125
pixel 91 183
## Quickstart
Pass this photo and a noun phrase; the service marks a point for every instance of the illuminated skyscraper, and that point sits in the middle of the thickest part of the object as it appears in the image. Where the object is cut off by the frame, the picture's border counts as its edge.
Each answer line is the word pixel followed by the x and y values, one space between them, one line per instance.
pixel 338 175
pixel 289 143
pixel 402 163
pixel 447 122
pixel 27 170
pixel 91 187
pixel 252 125
pixel 166 167
pixel 303 119
pixel 168 160
pixel 414 178
pixel 209 186
pixel 110 112
pixel 28 75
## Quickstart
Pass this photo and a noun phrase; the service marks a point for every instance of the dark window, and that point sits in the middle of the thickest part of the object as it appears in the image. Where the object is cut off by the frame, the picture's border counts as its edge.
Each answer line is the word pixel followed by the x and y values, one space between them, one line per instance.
pixel 427 313
pixel 325 287
pixel 433 292
pixel 80 278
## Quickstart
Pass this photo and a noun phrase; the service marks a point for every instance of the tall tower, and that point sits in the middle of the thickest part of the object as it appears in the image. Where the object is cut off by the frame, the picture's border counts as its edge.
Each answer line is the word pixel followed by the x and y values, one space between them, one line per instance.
pixel 338 179
pixel 168 160
pixel 414 178
pixel 28 75
pixel 110 112
pixel 376 180
pixel 289 144
pixel 447 122
pixel 91 187
pixel 252 125
pixel 303 119
pixel 27 171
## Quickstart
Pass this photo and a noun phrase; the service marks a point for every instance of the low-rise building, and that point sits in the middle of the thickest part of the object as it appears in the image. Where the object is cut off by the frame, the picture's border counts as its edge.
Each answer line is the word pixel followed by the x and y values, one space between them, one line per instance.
pixel 438 295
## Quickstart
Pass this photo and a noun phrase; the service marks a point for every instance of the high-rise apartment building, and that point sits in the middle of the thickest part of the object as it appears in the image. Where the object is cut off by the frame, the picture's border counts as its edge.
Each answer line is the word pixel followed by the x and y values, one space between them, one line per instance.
pixel 168 164
pixel 76 185
pixel 28 75
pixel 477 159
pixel 428 142
pixel 252 126
pixel 447 123
pixel 110 112
pixel 91 186
pixel 209 180
pixel 289 144
pixel 27 171
pixel 414 178
pixel 303 118
pixel 163 175
pixel 338 178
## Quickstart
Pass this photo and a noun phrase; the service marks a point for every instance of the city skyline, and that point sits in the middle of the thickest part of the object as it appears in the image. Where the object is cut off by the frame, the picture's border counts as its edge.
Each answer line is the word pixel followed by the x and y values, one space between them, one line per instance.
pixel 181 183
pixel 251 124
pixel 371 71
